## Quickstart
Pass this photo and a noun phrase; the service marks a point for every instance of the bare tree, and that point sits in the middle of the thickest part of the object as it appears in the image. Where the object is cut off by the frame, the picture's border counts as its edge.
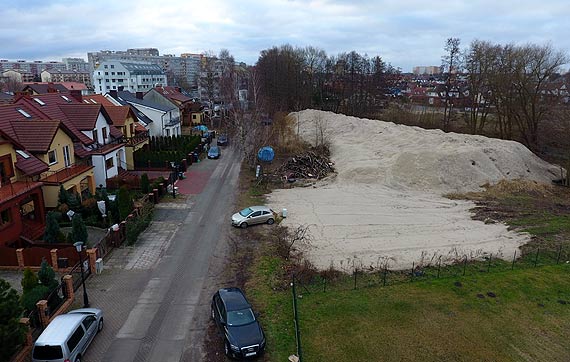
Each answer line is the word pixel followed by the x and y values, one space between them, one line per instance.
pixel 478 64
pixel 451 64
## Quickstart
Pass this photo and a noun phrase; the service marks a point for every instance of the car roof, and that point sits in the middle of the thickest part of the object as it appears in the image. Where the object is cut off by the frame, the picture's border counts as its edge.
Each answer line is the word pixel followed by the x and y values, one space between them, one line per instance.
pixel 59 329
pixel 260 208
pixel 233 299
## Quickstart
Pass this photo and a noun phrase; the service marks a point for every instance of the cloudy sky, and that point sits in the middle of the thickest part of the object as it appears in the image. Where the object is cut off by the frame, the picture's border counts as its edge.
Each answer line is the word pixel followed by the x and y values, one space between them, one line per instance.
pixel 404 33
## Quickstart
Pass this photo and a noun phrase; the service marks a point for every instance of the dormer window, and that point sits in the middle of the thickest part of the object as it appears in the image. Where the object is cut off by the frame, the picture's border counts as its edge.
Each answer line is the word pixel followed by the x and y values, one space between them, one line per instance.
pixel 104 133
pixel 66 99
pixel 24 113
pixel 39 101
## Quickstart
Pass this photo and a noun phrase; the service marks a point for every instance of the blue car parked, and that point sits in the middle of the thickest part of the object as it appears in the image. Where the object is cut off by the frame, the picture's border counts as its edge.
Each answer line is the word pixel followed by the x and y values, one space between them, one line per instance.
pixel 214 152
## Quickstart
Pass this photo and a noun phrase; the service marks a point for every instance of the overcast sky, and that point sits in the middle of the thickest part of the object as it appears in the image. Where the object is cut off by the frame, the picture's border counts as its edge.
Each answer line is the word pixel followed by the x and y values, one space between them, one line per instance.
pixel 404 33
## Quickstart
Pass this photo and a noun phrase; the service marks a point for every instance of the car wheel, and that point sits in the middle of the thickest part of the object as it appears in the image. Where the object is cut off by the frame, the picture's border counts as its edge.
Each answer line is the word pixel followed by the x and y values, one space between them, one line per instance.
pixel 270 221
pixel 243 225
pixel 100 326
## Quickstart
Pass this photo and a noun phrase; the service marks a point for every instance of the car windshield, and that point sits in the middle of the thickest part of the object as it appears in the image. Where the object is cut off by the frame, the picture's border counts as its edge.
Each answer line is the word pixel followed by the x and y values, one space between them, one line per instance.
pixel 214 150
pixel 47 353
pixel 240 317
pixel 245 211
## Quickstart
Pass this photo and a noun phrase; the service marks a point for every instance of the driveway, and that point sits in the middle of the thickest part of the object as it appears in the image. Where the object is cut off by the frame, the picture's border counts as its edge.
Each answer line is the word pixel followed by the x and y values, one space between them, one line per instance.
pixel 155 295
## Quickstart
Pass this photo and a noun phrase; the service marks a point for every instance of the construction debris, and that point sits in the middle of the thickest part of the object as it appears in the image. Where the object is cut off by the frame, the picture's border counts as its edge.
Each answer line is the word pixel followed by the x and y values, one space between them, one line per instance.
pixel 307 165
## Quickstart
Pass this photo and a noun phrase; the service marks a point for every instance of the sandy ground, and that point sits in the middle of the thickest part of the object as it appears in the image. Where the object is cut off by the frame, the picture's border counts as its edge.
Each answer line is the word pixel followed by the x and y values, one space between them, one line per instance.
pixel 386 202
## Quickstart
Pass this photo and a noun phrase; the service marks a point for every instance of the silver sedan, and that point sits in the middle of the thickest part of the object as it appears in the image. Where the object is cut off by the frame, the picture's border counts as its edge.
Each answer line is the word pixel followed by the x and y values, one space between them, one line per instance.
pixel 253 215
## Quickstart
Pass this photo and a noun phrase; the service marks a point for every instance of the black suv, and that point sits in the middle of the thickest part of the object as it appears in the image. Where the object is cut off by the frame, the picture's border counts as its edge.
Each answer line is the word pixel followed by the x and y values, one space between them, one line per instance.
pixel 243 336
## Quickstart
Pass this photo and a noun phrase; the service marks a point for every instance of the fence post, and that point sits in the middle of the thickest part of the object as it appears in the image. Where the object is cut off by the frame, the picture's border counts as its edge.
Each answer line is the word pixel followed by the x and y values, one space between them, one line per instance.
pixel 43 312
pixel 25 322
pixel 464 264
pixel 514 258
pixel 20 256
pixel 354 278
pixel 324 284
pixel 489 264
pixel 438 266
pixel 536 257
pixel 412 274
pixel 69 291
pixel 92 255
pixel 385 272
pixel 296 316
pixel 53 254
pixel 559 253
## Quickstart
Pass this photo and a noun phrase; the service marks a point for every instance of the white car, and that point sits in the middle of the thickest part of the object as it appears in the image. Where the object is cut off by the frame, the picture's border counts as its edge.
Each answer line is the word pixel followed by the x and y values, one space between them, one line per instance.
pixel 253 215
pixel 67 337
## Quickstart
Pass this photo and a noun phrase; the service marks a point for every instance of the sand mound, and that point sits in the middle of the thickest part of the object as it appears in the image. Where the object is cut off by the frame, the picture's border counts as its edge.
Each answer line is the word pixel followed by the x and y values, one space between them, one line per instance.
pixel 411 158
pixel 385 202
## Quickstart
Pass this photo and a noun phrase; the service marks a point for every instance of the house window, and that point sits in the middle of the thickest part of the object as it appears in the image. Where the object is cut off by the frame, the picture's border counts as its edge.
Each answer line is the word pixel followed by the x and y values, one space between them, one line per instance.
pixel 98 73
pixel 106 66
pixel 95 138
pixel 132 129
pixel 112 73
pixel 106 73
pixel 104 133
pixel 109 163
pixel 112 66
pixel 6 169
pixel 193 116
pixel 113 80
pixel 52 157
pixel 5 218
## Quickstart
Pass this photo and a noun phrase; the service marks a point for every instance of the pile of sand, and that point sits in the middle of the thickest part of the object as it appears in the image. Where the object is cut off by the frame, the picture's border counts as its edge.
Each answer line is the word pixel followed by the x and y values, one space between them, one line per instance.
pixel 386 201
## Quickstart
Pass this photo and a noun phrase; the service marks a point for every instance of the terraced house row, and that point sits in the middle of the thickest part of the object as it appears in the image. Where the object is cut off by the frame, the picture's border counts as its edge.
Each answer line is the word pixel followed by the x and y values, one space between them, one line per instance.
pixel 53 140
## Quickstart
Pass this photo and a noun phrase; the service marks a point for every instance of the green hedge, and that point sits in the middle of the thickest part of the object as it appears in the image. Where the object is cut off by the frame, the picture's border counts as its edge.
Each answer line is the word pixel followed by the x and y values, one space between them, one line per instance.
pixel 165 149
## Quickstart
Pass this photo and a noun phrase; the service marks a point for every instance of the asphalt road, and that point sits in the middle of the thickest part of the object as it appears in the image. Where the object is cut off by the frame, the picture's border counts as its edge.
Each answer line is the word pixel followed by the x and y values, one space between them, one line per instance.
pixel 169 319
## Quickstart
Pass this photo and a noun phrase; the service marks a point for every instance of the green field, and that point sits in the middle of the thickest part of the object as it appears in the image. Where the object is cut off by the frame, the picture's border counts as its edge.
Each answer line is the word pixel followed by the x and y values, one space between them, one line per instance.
pixel 528 319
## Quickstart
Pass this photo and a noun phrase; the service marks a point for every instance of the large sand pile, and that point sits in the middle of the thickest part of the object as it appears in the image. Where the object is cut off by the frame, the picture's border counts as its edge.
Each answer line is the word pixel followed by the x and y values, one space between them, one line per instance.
pixel 386 202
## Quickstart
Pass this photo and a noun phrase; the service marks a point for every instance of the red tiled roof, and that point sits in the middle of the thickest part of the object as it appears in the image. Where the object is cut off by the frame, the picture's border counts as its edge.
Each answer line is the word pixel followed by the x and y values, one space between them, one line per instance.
pixel 139 127
pixel 74 85
pixel 81 152
pixel 30 166
pixel 119 114
pixel 10 191
pixel 36 135
pixel 173 94
pixel 44 87
pixel 98 99
pixel 84 116
pixel 51 110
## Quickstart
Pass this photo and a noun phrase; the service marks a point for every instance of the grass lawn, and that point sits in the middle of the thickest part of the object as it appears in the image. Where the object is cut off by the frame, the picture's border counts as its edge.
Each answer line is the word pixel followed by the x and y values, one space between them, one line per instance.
pixel 528 319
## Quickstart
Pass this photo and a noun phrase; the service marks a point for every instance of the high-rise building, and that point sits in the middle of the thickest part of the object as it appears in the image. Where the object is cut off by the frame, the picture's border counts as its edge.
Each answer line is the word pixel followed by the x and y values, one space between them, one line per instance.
pixel 430 70
pixel 180 71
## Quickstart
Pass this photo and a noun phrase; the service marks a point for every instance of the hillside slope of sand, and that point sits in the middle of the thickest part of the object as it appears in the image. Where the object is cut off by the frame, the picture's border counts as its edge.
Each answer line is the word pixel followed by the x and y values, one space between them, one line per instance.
pixel 386 203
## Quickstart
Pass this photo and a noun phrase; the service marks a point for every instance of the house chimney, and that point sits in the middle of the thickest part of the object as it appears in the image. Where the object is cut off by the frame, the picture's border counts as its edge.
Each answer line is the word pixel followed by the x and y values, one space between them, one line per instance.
pixel 76 93
pixel 113 93
pixel 21 94
pixel 51 88
pixel 139 95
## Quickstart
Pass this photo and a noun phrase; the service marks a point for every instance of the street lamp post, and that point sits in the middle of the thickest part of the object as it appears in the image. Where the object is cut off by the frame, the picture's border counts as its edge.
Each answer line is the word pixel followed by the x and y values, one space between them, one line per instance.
pixel 174 177
pixel 78 246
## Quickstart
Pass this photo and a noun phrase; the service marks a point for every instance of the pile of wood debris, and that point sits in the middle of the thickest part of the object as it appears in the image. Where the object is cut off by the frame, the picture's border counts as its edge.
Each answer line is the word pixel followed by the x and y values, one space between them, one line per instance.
pixel 308 165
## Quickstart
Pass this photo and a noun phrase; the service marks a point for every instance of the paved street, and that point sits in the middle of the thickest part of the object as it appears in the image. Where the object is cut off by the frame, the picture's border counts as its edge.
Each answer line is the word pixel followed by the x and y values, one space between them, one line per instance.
pixel 155 295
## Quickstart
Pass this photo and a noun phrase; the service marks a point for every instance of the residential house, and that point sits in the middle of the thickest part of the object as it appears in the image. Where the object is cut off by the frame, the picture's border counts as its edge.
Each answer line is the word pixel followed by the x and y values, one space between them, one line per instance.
pixel 58 75
pixel 191 113
pixel 51 143
pixel 165 119
pixel 97 142
pixel 22 211
pixel 18 75
pixel 54 87
pixel 124 118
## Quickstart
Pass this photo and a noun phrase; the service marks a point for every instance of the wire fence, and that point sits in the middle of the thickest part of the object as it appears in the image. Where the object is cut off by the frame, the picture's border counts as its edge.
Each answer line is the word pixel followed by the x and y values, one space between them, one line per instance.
pixel 358 276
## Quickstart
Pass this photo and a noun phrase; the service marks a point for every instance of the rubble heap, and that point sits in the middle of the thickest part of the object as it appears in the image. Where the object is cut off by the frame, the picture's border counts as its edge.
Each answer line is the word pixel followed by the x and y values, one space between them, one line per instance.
pixel 307 165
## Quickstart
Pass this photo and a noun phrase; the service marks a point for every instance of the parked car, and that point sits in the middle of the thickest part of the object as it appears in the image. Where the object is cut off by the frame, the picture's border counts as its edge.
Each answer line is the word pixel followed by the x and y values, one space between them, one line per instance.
pixel 67 337
pixel 222 140
pixel 234 317
pixel 253 215
pixel 214 152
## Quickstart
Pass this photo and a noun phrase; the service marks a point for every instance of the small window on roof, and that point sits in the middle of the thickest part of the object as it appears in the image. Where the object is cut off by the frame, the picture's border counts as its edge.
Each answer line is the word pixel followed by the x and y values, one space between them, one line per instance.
pixel 23 154
pixel 24 113
pixel 93 101
pixel 39 101
pixel 66 99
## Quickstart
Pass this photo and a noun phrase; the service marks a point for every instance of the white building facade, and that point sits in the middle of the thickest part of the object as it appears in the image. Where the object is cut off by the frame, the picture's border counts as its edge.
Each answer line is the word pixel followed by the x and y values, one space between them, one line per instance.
pixel 133 77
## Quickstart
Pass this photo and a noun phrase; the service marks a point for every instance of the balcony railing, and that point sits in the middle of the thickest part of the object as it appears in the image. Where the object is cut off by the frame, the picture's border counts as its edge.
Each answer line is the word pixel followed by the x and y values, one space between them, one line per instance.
pixel 135 140
pixel 64 174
